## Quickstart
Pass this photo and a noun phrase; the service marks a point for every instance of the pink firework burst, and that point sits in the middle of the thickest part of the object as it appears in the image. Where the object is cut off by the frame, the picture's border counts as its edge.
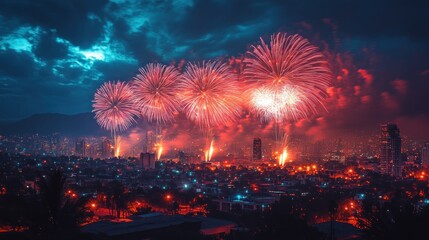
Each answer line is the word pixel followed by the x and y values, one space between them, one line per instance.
pixel 114 106
pixel 155 92
pixel 288 70
pixel 210 94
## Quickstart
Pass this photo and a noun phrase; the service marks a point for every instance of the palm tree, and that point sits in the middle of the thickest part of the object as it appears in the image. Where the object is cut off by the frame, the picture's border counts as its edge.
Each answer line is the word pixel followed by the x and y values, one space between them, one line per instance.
pixel 48 215
pixel 117 196
pixel 56 216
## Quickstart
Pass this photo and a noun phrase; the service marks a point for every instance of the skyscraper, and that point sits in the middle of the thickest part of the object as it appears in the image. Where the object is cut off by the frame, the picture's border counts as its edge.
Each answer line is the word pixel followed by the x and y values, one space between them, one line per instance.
pixel 106 148
pixel 425 156
pixel 80 148
pixel 147 160
pixel 390 150
pixel 257 149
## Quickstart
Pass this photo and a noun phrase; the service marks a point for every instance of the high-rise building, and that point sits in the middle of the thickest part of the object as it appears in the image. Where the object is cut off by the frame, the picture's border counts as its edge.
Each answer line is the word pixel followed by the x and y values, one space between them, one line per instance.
pixel 54 147
pixel 425 156
pixel 390 150
pixel 80 148
pixel 147 160
pixel 257 149
pixel 182 156
pixel 106 149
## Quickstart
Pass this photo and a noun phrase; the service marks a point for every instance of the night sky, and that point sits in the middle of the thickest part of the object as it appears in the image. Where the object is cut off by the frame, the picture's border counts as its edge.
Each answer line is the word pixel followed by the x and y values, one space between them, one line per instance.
pixel 55 54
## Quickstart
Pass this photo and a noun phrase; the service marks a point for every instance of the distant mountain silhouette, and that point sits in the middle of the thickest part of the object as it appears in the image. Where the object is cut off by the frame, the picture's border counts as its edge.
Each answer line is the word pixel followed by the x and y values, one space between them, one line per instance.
pixel 82 124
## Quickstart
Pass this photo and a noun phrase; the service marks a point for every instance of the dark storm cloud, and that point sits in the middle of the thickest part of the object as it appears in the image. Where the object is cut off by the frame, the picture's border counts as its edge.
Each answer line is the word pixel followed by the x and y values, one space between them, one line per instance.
pixel 16 65
pixel 363 18
pixel 32 90
pixel 122 71
pixel 225 28
pixel 71 18
pixel 49 49
pixel 136 43
pixel 214 16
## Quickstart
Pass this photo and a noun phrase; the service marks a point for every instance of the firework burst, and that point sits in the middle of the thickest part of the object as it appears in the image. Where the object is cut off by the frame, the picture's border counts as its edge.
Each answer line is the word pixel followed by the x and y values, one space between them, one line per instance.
pixel 288 80
pixel 210 94
pixel 289 66
pixel 114 107
pixel 211 97
pixel 155 93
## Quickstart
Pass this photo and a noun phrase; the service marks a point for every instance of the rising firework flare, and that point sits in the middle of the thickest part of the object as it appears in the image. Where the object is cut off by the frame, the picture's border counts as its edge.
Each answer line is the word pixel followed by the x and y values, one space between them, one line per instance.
pixel 114 108
pixel 118 146
pixel 210 95
pixel 209 152
pixel 283 157
pixel 158 149
pixel 288 79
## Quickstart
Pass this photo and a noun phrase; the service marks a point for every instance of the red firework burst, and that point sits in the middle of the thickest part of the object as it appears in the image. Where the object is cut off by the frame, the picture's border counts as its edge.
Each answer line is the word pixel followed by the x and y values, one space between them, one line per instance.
pixel 155 92
pixel 114 106
pixel 288 64
pixel 210 94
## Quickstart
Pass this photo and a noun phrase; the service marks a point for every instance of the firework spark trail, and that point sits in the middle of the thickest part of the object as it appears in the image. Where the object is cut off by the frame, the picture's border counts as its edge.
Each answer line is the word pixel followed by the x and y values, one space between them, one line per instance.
pixel 155 93
pixel 210 94
pixel 114 107
pixel 288 80
pixel 283 157
pixel 118 146
pixel 159 150
pixel 209 152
